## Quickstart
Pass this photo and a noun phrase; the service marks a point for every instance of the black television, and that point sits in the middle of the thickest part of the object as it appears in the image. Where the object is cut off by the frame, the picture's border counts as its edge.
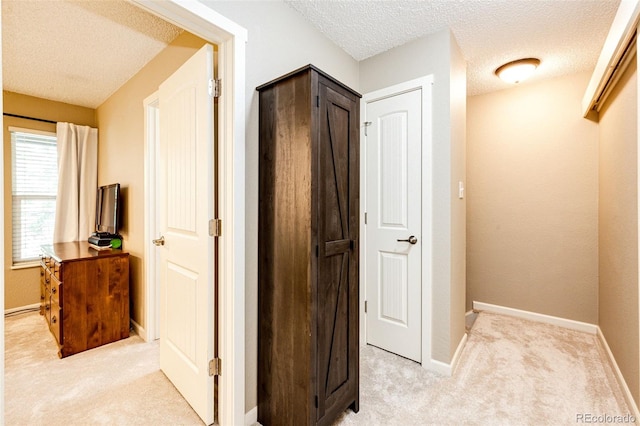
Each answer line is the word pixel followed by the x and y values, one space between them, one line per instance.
pixel 107 209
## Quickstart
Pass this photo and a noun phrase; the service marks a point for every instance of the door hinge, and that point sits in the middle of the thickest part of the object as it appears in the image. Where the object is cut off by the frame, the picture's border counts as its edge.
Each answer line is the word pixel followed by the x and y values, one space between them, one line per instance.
pixel 318 101
pixel 365 218
pixel 214 88
pixel 366 125
pixel 365 306
pixel 215 367
pixel 215 227
pixel 317 251
pixel 316 401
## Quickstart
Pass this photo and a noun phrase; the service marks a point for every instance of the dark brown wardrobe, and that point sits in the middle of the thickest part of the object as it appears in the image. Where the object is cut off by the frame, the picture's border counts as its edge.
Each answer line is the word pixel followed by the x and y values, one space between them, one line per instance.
pixel 308 249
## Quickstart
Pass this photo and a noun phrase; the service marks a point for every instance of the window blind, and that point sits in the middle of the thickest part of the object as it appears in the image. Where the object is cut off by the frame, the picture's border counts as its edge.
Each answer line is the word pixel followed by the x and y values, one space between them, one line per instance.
pixel 34 171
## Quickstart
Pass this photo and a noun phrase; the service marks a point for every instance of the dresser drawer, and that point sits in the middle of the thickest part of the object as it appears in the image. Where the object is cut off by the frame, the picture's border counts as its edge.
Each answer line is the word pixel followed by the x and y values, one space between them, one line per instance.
pixel 47 309
pixel 42 291
pixel 47 261
pixel 56 291
pixel 55 324
pixel 47 282
pixel 52 265
pixel 56 269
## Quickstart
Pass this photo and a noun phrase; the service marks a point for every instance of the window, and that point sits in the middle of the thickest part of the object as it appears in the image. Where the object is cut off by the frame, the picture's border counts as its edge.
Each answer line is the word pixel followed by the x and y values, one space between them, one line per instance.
pixel 34 172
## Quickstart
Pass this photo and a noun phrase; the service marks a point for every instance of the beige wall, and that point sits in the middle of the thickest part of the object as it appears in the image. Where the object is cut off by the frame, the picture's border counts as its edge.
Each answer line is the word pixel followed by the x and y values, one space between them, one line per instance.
pixel 121 153
pixel 532 218
pixel 458 212
pixel 22 286
pixel 279 41
pixel 618 235
pixel 437 55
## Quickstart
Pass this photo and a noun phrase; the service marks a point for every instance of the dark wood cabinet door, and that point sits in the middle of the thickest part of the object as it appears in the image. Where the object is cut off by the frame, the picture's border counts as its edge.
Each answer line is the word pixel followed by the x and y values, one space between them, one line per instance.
pixel 308 249
pixel 337 280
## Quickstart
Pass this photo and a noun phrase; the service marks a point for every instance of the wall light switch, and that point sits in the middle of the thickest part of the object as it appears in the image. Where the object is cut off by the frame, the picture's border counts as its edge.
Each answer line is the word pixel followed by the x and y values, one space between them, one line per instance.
pixel 460 190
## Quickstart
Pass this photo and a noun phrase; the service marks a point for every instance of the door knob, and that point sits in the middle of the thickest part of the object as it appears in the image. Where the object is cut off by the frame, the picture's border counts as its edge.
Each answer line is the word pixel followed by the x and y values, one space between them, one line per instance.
pixel 411 240
pixel 159 241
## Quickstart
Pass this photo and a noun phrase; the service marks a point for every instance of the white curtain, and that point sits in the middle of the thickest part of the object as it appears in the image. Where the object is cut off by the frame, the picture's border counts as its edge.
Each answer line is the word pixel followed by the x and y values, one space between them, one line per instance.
pixel 77 182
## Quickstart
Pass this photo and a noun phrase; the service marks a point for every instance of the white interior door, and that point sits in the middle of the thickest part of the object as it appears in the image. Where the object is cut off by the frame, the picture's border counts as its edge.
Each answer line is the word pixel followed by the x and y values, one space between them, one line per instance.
pixel 186 197
pixel 394 224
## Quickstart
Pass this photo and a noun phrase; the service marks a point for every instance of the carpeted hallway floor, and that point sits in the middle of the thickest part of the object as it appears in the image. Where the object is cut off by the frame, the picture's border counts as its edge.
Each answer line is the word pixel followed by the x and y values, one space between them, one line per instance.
pixel 512 371
pixel 115 384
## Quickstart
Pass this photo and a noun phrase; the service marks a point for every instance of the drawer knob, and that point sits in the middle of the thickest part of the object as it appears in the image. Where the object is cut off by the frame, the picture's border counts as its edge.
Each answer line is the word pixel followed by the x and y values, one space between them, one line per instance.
pixel 54 320
pixel 54 290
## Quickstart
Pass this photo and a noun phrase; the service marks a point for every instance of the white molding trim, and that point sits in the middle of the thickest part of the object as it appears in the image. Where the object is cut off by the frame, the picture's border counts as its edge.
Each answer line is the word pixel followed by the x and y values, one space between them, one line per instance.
pixel 425 84
pixel 230 38
pixel 2 237
pixel 533 316
pixel 621 381
pixel 444 368
pixel 251 416
pixel 151 123
pixel 22 308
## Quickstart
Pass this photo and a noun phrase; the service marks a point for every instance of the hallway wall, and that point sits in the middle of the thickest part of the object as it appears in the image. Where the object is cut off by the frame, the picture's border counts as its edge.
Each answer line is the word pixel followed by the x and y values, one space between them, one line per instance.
pixel 618 233
pixel 532 193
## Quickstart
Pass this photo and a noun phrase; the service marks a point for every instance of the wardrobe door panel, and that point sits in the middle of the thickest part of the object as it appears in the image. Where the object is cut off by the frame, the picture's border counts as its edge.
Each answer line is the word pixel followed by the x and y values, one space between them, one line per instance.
pixel 336 375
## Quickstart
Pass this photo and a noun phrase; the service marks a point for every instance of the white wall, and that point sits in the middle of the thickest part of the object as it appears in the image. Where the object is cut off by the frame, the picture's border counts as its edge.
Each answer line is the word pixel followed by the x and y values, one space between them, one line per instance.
pixel 279 41
pixel 437 55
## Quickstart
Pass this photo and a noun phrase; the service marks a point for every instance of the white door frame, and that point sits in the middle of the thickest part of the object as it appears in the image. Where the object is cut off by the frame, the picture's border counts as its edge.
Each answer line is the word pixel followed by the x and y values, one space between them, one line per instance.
pixel 425 84
pixel 151 330
pixel 230 38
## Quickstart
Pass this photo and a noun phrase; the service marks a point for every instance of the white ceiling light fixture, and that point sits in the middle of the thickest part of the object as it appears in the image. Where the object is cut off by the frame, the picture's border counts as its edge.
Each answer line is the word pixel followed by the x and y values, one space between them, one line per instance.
pixel 517 71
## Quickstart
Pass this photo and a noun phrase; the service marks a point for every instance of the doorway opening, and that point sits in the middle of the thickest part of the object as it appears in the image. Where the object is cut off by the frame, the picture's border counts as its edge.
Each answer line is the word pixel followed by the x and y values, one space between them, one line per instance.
pixel 199 19
pixel 396 201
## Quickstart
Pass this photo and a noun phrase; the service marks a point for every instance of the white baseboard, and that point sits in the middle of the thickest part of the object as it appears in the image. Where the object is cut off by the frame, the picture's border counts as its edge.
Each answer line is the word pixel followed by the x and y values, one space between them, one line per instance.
pixel 533 316
pixel 444 368
pixel 33 306
pixel 623 384
pixel 456 356
pixel 251 417
pixel 139 330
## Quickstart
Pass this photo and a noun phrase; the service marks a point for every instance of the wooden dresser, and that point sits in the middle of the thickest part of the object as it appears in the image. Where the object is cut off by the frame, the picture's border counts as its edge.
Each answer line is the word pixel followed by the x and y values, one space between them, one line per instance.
pixel 84 295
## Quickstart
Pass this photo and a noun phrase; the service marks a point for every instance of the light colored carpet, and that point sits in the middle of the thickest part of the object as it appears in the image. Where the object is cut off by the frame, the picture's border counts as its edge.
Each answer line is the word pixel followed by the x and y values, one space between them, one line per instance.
pixel 511 371
pixel 116 384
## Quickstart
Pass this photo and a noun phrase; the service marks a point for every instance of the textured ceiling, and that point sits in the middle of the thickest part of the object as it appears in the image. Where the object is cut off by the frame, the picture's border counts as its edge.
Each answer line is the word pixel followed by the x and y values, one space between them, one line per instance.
pixel 78 52
pixel 566 36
